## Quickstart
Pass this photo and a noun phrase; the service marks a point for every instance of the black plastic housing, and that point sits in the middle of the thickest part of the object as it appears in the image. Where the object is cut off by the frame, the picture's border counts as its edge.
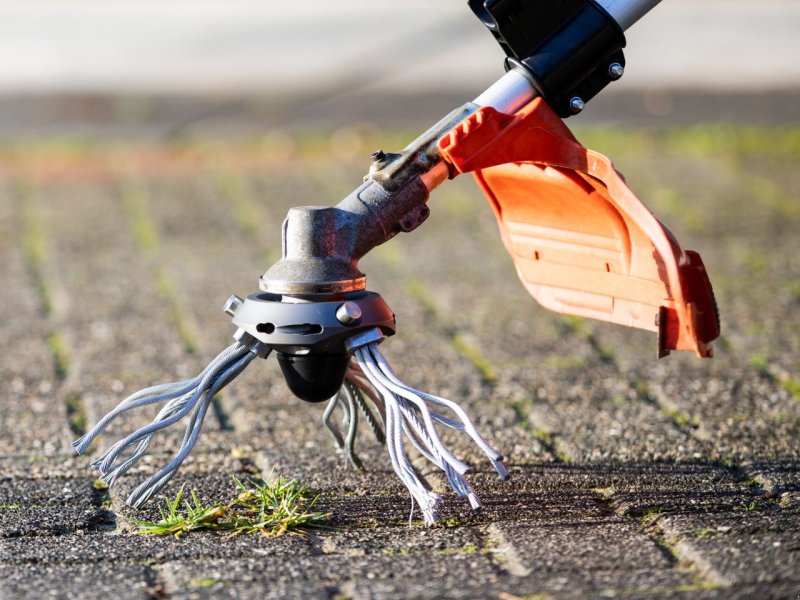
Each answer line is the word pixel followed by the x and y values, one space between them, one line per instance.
pixel 565 48
pixel 314 377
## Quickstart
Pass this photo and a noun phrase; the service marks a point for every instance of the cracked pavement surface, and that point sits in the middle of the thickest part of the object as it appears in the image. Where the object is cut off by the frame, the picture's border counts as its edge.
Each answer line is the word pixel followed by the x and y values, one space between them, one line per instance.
pixel 631 477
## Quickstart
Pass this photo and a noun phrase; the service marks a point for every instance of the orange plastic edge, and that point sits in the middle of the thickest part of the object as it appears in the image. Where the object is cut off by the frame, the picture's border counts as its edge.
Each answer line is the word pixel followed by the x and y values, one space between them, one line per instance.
pixel 581 241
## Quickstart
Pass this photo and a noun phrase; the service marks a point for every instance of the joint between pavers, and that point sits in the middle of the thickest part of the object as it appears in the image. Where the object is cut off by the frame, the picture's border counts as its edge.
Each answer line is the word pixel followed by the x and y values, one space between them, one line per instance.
pixel 144 231
pixel 513 562
pixel 457 339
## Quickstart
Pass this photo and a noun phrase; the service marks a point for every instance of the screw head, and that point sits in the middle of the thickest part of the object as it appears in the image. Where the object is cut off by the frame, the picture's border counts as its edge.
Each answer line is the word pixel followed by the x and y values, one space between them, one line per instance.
pixel 576 105
pixel 232 305
pixel 348 313
pixel 615 70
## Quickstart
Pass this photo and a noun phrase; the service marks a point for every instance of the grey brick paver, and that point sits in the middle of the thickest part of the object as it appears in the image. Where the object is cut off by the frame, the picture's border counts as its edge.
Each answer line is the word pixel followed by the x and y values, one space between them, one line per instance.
pixel 66 581
pixel 33 507
pixel 758 545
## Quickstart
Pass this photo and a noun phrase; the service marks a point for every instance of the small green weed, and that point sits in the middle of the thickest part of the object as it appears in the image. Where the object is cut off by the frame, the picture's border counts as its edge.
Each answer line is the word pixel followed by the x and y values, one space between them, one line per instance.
pixel 468 549
pixel 651 515
pixel 750 506
pixel 707 532
pixel 76 413
pixel 270 508
pixel 204 582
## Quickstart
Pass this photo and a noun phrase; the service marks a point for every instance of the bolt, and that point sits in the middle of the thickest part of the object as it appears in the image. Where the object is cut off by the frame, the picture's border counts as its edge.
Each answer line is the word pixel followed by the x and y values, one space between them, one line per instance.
pixel 615 70
pixel 232 305
pixel 348 313
pixel 576 105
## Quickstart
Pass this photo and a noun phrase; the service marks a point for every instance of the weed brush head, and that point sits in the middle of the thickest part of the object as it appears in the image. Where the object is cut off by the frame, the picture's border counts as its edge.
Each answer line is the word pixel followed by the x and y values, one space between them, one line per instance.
pixel 327 348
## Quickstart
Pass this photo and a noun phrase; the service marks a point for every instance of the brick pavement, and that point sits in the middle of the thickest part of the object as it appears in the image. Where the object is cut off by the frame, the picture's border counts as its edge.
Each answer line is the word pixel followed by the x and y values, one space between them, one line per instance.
pixel 631 477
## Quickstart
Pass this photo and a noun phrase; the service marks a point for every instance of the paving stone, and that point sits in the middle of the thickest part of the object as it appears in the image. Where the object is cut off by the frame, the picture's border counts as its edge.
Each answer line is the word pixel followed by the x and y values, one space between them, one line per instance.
pixel 203 253
pixel 622 583
pixel 50 507
pixel 41 466
pixel 62 520
pixel 776 590
pixel 89 580
pixel 639 490
pixel 759 544
pixel 245 579
pixel 102 548
pixel 315 577
pixel 601 418
pixel 601 544
pixel 46 492
pixel 780 479
pixel 735 418
pixel 632 490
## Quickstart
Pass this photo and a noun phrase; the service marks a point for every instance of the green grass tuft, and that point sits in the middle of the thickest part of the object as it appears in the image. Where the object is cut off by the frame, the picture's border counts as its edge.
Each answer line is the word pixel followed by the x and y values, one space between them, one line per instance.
pixel 707 532
pixel 651 515
pixel 204 582
pixel 270 508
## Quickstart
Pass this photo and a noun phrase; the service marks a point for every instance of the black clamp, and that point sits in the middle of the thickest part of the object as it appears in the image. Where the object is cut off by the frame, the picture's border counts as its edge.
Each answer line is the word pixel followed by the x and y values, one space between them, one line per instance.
pixel 568 49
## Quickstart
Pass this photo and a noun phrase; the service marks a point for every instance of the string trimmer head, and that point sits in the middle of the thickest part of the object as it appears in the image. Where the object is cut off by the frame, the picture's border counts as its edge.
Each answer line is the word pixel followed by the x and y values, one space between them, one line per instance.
pixel 581 241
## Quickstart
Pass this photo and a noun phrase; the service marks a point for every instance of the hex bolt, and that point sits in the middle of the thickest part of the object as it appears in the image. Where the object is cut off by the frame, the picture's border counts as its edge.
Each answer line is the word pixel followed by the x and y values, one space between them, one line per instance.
pixel 615 70
pixel 348 313
pixel 232 305
pixel 576 105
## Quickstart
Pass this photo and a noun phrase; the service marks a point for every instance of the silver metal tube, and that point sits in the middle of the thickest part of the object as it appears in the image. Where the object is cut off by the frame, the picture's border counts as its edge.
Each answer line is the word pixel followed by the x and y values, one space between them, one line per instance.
pixel 627 12
pixel 508 94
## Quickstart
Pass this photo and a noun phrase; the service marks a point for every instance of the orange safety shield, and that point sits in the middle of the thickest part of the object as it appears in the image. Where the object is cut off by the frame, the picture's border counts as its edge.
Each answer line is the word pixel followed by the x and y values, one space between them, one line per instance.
pixel 581 241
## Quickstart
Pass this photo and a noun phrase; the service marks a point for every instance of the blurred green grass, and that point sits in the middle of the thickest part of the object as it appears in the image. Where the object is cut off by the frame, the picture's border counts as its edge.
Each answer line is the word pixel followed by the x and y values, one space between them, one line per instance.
pixel 730 191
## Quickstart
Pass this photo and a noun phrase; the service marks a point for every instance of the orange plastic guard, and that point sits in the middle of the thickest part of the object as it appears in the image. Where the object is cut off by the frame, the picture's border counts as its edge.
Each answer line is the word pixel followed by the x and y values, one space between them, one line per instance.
pixel 581 241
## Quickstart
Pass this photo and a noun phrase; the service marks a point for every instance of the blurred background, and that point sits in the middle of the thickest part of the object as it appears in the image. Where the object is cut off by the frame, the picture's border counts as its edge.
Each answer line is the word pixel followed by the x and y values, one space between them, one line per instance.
pixel 177 67
pixel 149 152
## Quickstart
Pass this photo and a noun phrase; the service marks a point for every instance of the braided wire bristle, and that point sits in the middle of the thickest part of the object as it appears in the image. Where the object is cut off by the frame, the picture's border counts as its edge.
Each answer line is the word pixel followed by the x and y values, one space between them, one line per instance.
pixel 406 414
pixel 191 397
